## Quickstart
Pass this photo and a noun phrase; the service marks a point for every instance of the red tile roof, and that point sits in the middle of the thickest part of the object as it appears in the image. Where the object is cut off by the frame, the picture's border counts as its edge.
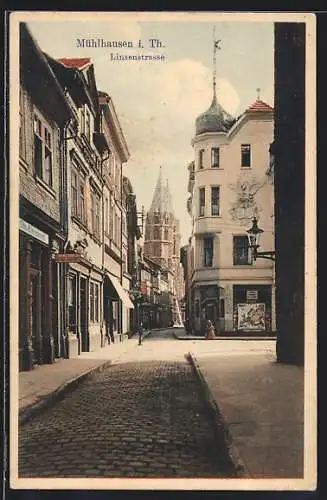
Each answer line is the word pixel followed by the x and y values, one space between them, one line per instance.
pixel 79 63
pixel 259 106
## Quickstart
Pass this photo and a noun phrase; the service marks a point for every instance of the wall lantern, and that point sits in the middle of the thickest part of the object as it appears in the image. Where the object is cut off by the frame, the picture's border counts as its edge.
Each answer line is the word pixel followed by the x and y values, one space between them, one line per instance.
pixel 254 234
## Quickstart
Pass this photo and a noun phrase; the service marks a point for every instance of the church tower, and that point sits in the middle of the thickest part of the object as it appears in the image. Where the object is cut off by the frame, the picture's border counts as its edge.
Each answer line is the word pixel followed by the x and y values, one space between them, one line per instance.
pixel 162 238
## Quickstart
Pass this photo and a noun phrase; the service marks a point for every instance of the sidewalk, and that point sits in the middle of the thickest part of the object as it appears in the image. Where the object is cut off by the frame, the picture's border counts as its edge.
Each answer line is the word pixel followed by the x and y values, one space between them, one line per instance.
pixel 261 404
pixel 45 383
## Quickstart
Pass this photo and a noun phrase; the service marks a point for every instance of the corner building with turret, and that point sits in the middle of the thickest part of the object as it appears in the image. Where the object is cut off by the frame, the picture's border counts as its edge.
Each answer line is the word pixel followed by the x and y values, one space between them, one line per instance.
pixel 230 182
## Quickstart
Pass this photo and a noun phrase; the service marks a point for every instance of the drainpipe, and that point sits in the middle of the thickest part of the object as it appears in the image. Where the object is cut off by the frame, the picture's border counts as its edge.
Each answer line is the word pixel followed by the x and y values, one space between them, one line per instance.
pixel 64 215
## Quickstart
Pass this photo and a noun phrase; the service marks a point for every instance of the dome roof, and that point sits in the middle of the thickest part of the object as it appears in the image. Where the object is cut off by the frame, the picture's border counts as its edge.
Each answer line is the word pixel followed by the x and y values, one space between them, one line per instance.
pixel 215 119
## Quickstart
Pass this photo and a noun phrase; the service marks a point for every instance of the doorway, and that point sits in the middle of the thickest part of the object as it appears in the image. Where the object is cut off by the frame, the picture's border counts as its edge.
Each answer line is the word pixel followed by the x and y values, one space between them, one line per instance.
pixel 84 337
pixel 35 315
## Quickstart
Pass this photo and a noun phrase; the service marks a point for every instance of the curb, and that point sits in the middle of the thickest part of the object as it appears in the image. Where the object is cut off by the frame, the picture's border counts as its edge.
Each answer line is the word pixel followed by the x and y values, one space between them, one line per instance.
pixel 195 337
pixel 220 422
pixel 31 411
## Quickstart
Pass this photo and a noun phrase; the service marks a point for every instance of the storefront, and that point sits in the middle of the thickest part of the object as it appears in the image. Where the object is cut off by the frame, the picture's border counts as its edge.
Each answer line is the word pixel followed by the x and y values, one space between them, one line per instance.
pixel 252 309
pixel 84 308
pixel 116 301
pixel 39 295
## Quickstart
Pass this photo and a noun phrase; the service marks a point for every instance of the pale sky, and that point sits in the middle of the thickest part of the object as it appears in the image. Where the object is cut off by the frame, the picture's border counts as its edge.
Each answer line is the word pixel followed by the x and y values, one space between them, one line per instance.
pixel 157 102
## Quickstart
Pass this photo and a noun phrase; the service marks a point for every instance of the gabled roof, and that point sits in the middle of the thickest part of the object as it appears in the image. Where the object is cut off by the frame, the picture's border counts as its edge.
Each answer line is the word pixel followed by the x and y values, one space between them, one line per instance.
pixel 259 106
pixel 77 63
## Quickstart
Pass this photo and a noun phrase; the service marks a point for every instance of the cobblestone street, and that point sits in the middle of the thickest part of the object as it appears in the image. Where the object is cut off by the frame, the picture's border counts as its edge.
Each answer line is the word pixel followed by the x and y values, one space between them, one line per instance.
pixel 144 419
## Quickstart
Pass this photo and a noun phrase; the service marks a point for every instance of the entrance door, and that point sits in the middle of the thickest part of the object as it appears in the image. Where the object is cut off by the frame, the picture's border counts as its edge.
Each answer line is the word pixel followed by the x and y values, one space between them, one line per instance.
pixel 211 312
pixel 35 315
pixel 84 315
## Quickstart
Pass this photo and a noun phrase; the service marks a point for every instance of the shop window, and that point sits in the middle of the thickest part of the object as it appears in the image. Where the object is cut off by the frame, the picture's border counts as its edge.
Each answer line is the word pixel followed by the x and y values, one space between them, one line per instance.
pixel 197 308
pixel 222 308
pixel 242 252
pixel 246 155
pixel 208 251
pixel 94 302
pixel 71 299
pixel 215 157
pixel 215 200
pixel 43 150
pixel 201 201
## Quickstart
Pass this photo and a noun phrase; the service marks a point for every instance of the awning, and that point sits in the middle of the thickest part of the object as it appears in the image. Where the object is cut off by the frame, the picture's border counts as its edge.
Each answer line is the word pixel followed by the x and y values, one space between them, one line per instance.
pixel 123 295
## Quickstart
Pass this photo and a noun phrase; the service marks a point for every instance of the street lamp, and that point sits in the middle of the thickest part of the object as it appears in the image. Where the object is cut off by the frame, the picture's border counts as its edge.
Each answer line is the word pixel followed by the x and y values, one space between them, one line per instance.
pixel 254 234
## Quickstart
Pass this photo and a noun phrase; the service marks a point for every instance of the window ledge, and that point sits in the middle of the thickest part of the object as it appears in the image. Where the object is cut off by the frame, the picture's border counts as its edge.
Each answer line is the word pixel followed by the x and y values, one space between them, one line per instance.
pixel 45 186
pixel 96 238
pixel 249 266
pixel 245 168
pixel 79 223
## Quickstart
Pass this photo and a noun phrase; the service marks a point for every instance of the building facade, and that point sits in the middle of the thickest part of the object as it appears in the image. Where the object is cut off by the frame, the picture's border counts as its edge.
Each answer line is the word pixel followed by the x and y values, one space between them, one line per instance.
pixel 44 114
pixel 77 216
pixel 229 184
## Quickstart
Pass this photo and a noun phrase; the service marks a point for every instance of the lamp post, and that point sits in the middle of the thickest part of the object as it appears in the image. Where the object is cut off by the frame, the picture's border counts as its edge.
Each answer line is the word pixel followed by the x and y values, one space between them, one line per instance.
pixel 254 234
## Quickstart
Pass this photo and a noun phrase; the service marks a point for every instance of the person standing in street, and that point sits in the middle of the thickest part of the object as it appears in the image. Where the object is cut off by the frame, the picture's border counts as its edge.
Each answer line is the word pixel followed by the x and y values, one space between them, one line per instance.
pixel 140 333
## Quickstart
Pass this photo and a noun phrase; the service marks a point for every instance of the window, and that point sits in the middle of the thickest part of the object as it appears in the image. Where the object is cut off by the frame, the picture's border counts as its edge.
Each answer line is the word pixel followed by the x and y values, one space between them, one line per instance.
pixel 111 218
pixel 94 302
pixel 156 233
pixel 215 200
pixel 242 252
pixel 166 234
pixel 81 204
pixel 197 308
pixel 245 155
pixel 215 157
pixel 77 194
pixel 201 158
pixel 87 124
pixel 106 215
pixel 95 213
pixel 208 251
pixel 42 150
pixel 72 302
pixel 202 201
pixel 74 191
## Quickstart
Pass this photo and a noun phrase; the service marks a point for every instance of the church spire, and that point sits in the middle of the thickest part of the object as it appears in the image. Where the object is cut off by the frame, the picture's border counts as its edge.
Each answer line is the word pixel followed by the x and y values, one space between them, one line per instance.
pixel 162 200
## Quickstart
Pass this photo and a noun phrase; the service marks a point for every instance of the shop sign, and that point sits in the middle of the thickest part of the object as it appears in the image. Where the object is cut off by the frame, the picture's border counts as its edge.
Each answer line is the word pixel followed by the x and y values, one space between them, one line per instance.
pixel 33 231
pixel 252 295
pixel 68 257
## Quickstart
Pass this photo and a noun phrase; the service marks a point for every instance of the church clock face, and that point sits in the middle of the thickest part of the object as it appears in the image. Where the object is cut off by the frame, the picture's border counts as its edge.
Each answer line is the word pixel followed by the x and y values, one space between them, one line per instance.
pixel 245 206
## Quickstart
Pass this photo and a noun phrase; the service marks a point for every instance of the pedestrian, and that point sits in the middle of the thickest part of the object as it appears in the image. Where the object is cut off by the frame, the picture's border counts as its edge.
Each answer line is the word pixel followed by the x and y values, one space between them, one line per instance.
pixel 140 333
pixel 210 333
